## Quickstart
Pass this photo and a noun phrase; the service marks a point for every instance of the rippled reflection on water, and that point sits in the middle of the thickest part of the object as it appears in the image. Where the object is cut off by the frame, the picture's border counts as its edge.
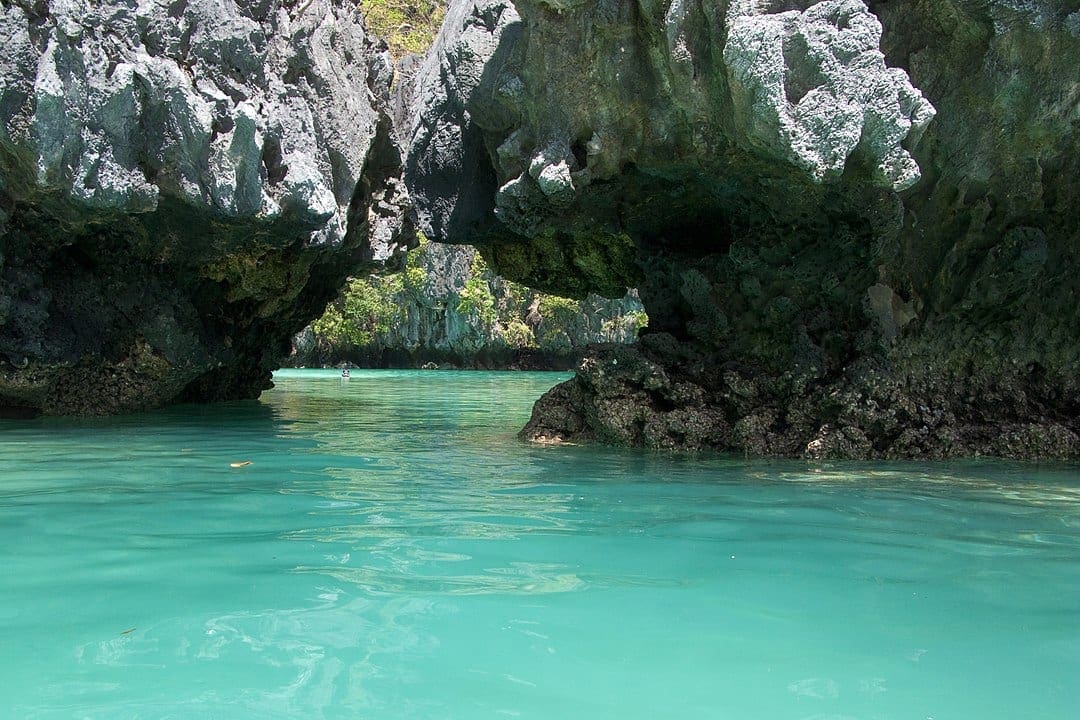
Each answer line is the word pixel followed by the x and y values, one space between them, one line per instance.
pixel 393 552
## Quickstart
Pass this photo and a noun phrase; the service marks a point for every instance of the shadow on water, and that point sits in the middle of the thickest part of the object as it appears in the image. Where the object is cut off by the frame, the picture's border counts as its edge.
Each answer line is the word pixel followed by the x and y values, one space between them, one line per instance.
pixel 183 446
pixel 253 413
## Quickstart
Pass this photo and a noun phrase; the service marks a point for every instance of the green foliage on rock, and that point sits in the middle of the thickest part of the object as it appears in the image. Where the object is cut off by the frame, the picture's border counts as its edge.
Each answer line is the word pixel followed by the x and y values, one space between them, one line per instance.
pixel 476 299
pixel 556 315
pixel 408 26
pixel 414 276
pixel 558 310
pixel 518 335
pixel 631 323
pixel 448 304
pixel 639 319
pixel 366 310
pixel 573 264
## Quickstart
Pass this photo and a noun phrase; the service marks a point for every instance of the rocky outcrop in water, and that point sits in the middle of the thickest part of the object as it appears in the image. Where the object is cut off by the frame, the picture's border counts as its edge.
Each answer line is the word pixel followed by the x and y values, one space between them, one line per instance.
pixel 853 226
pixel 183 185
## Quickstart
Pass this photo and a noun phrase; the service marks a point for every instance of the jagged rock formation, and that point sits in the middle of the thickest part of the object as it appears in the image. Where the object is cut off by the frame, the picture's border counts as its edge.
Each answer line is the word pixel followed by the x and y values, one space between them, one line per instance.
pixel 448 308
pixel 183 185
pixel 853 227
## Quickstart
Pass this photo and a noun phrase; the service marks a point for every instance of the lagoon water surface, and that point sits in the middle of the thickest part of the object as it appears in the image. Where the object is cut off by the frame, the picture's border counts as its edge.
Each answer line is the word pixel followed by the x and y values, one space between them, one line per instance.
pixel 393 552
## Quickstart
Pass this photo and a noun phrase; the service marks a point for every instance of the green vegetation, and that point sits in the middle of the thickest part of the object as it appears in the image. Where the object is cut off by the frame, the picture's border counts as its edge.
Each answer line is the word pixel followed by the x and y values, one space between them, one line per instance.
pixel 486 314
pixel 558 310
pixel 414 275
pixel 556 313
pixel 518 335
pixel 365 311
pixel 570 264
pixel 408 26
pixel 477 300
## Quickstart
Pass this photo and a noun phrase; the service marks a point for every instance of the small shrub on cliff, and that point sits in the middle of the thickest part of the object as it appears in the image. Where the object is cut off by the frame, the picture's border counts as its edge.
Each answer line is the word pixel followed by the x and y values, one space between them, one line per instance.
pixel 414 275
pixel 557 310
pixel 366 309
pixel 518 297
pixel 518 335
pixel 476 298
pixel 408 26
pixel 639 319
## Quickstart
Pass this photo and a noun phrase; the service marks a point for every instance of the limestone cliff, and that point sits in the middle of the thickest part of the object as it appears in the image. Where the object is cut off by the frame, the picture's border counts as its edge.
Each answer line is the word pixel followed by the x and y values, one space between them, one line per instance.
pixel 184 184
pixel 447 307
pixel 853 226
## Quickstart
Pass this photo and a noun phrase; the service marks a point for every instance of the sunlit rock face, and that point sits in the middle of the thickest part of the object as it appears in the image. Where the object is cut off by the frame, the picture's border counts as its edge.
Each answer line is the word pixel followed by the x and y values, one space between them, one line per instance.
pixel 853 225
pixel 446 309
pixel 183 185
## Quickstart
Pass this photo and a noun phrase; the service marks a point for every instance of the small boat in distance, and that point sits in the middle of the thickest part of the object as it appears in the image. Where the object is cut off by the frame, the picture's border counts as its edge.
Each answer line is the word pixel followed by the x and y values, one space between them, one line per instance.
pixel 345 373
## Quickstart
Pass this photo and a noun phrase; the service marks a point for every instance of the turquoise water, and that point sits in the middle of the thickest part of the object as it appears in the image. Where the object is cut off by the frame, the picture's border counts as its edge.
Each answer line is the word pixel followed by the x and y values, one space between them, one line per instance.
pixel 392 552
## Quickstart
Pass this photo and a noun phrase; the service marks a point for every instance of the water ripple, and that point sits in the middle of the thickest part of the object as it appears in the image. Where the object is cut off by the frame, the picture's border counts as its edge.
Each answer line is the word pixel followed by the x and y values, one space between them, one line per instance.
pixel 391 551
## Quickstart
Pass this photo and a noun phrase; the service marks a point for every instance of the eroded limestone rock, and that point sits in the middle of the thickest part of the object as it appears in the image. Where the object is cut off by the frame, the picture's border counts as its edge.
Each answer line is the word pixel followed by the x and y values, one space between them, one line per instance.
pixel 812 86
pixel 862 214
pixel 184 185
pixel 557 147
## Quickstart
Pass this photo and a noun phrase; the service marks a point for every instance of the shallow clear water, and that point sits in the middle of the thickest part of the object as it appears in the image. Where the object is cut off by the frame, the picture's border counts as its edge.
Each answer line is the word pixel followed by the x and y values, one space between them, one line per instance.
pixel 393 552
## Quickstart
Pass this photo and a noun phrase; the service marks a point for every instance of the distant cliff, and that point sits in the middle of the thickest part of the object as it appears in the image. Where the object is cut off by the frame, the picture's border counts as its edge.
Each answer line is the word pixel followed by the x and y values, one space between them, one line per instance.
pixel 854 226
pixel 448 308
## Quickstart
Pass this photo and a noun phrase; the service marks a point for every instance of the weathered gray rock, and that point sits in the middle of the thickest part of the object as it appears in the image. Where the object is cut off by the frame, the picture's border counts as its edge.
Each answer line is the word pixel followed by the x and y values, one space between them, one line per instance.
pixel 866 213
pixel 727 102
pixel 184 185
pixel 812 86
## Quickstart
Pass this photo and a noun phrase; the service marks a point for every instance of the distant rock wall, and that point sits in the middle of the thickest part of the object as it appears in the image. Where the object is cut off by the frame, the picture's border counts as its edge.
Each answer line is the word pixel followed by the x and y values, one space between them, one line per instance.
pixel 447 308
pixel 183 185
pixel 853 225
